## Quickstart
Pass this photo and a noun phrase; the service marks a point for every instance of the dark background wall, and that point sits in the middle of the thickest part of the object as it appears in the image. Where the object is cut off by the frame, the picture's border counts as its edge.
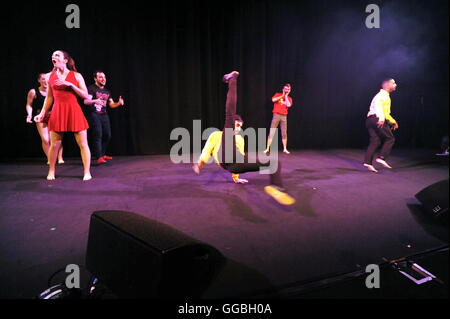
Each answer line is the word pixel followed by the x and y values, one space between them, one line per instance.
pixel 167 58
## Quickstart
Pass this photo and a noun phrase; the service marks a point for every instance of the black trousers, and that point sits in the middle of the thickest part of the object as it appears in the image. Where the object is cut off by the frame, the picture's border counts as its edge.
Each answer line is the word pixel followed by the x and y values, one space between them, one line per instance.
pixel 378 137
pixel 99 133
pixel 238 164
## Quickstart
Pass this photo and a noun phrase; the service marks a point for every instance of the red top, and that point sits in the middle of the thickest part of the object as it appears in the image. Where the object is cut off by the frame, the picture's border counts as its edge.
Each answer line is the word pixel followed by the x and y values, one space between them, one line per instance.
pixel 67 115
pixel 280 106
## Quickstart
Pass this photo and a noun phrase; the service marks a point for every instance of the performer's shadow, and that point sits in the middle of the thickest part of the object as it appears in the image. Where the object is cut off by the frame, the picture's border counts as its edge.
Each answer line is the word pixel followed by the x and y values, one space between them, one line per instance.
pixel 356 165
pixel 218 176
pixel 246 193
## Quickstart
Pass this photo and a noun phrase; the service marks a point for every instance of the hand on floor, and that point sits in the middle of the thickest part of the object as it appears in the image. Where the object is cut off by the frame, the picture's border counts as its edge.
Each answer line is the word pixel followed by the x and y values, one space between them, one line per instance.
pixel 240 181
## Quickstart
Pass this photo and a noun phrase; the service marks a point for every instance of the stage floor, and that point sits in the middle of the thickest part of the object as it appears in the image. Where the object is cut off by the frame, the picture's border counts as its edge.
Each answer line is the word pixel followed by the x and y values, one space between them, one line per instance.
pixel 345 217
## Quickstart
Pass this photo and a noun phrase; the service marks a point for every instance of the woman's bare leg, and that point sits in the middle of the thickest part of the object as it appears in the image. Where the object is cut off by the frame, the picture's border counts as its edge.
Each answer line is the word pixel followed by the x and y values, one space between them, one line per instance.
pixel 55 145
pixel 81 138
pixel 60 155
pixel 45 138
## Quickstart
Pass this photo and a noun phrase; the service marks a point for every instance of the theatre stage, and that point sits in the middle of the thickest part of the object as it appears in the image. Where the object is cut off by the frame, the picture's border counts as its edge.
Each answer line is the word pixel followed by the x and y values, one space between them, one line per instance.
pixel 345 217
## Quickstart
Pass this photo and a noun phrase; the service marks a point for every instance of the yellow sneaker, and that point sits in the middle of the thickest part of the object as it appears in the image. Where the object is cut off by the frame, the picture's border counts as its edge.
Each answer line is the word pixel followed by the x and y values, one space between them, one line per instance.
pixel 281 197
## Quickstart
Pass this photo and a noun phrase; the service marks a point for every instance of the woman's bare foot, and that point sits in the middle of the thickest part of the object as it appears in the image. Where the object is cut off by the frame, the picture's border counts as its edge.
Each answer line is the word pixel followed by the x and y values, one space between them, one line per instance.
pixel 61 161
pixel 286 151
pixel 87 177
pixel 51 177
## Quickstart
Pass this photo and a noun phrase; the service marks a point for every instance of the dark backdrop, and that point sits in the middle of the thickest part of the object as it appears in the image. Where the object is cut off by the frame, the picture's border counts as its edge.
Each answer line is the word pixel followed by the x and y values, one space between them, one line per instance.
pixel 167 58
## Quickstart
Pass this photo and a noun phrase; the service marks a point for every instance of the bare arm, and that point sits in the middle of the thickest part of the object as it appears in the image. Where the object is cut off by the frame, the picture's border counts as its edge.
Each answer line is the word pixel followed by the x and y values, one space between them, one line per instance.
pixel 288 102
pixel 47 104
pixel 90 101
pixel 48 100
pixel 113 104
pixel 276 99
pixel 29 107
pixel 81 89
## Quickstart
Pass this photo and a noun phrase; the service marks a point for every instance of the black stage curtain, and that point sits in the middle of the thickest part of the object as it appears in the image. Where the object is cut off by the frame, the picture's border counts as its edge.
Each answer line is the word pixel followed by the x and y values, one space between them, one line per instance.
pixel 167 58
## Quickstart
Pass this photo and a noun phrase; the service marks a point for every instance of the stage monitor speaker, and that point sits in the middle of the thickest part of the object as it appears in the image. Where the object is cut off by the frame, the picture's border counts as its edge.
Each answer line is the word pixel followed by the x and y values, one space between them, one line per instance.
pixel 136 257
pixel 434 199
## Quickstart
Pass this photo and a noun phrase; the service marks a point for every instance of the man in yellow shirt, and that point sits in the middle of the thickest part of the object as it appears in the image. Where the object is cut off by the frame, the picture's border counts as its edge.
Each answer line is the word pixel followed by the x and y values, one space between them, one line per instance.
pixel 380 125
pixel 227 148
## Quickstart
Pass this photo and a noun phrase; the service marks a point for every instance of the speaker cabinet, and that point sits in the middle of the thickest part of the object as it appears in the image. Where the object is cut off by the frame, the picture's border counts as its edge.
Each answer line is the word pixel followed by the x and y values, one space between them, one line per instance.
pixel 136 257
pixel 434 199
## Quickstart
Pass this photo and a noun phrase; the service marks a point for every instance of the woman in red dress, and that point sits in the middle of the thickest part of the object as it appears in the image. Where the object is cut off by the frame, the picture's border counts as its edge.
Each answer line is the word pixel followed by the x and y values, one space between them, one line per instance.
pixel 64 85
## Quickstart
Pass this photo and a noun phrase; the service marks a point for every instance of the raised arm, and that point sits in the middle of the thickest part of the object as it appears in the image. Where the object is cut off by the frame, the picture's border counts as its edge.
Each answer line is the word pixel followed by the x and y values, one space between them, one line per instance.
pixel 288 101
pixel 113 104
pixel 277 97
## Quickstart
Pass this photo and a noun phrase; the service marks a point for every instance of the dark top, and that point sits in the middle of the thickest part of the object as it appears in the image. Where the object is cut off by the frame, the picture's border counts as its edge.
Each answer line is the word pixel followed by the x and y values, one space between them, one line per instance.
pixel 98 93
pixel 38 102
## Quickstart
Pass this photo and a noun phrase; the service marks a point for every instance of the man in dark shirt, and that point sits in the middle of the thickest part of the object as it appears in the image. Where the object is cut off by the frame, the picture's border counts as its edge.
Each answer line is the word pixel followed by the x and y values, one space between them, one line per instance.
pixel 97 116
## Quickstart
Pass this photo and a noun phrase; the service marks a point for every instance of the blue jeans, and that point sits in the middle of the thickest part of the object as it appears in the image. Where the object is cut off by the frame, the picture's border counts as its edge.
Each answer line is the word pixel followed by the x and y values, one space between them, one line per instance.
pixel 99 133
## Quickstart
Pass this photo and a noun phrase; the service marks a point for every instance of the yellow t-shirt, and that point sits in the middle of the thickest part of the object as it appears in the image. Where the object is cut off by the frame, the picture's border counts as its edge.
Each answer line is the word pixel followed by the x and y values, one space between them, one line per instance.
pixel 381 107
pixel 212 147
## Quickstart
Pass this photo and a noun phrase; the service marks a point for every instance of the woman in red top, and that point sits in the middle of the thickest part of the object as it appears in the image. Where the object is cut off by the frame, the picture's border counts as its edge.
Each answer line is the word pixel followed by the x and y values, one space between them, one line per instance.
pixel 64 85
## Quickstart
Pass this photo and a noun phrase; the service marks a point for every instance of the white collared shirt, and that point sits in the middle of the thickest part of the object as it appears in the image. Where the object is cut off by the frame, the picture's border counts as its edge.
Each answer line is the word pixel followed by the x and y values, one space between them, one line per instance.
pixel 381 106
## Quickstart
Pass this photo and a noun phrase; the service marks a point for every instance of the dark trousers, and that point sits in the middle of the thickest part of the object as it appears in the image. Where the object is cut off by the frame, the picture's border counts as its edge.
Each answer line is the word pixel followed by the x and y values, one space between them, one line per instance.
pixel 99 134
pixel 239 164
pixel 378 137
pixel 245 167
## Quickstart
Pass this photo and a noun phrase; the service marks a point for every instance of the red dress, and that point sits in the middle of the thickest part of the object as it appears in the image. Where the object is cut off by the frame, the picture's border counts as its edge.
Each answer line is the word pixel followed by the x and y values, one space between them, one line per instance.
pixel 67 115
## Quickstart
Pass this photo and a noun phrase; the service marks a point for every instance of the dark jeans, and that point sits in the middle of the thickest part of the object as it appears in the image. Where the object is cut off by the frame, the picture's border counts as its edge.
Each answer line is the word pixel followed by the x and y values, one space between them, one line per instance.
pixel 99 134
pixel 241 165
pixel 378 136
